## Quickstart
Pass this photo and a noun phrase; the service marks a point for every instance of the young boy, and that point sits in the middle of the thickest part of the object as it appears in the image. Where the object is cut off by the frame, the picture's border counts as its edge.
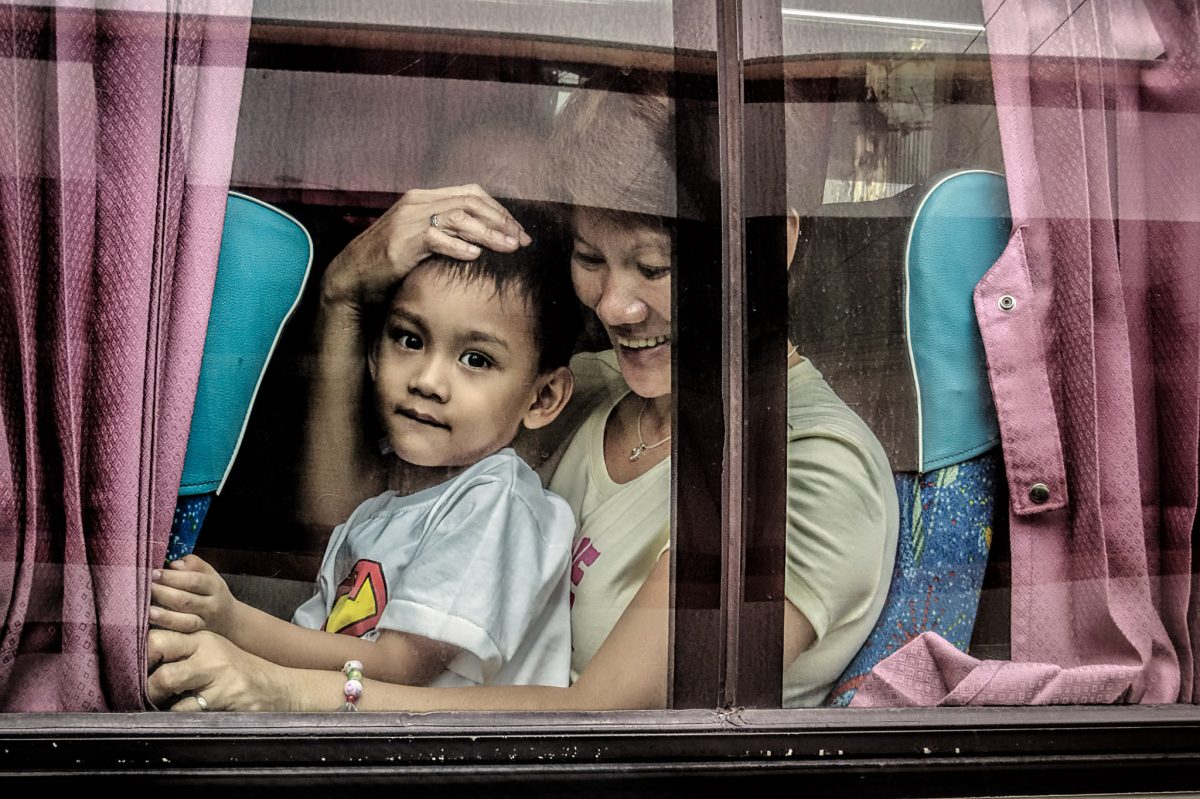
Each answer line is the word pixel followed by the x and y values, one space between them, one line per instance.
pixel 464 583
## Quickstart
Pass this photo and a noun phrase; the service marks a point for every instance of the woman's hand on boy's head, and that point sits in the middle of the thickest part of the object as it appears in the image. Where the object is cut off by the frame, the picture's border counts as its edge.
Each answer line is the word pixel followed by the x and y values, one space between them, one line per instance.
pixel 189 595
pixel 467 218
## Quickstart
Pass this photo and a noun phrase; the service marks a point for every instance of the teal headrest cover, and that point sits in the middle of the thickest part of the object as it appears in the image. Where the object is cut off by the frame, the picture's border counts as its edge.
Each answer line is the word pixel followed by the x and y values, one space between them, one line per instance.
pixel 264 261
pixel 958 231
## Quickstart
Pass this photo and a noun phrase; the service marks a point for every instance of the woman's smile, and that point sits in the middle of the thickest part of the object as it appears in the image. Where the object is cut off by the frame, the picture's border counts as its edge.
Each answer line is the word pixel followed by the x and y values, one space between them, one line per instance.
pixel 639 343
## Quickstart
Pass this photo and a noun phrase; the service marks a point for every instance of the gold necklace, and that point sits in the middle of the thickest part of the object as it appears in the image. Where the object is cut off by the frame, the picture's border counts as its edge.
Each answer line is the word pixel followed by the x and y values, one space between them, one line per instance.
pixel 636 453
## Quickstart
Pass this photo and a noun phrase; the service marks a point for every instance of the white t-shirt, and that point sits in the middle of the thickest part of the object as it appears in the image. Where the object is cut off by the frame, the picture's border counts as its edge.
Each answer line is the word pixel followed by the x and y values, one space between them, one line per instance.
pixel 842 517
pixel 479 562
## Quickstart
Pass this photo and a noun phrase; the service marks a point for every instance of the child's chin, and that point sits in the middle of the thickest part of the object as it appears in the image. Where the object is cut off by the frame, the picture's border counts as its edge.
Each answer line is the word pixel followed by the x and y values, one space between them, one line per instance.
pixel 418 456
pixel 427 459
pixel 424 461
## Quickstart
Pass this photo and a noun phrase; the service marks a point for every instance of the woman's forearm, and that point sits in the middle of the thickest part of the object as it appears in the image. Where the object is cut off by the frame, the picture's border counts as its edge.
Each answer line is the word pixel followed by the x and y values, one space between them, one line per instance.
pixel 629 672
pixel 316 691
pixel 340 467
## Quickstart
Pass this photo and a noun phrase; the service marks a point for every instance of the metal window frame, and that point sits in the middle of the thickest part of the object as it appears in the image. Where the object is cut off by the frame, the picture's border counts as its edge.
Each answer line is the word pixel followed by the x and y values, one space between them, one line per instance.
pixel 933 752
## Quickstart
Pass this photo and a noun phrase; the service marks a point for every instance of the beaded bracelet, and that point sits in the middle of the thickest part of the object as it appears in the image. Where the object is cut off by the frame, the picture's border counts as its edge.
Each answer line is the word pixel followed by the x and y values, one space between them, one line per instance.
pixel 353 688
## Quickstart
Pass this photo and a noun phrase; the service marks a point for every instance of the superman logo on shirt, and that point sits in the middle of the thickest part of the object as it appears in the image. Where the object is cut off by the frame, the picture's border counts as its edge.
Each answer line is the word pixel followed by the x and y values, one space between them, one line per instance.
pixel 359 600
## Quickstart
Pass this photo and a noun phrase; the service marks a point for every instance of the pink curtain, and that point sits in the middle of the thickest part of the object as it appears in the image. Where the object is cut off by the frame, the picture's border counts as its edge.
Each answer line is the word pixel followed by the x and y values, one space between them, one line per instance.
pixel 1096 370
pixel 116 140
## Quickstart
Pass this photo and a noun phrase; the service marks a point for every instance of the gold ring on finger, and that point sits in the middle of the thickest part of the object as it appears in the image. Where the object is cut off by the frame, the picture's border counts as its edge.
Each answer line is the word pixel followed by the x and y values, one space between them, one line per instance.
pixel 435 223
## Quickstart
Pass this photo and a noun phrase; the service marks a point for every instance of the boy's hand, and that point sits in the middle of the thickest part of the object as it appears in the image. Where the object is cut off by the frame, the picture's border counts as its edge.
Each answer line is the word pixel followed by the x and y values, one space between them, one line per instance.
pixel 189 596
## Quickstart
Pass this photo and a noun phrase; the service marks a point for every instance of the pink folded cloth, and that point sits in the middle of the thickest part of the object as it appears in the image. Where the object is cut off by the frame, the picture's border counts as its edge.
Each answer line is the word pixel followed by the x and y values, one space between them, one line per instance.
pixel 929 672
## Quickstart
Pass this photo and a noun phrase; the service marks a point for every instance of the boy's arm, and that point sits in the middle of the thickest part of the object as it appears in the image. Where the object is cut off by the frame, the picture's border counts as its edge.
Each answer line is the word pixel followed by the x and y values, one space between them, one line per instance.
pixel 190 596
pixel 394 657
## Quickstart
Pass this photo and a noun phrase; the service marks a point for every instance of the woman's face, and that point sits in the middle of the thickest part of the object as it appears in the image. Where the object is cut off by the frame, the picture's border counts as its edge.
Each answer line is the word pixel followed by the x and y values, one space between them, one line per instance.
pixel 622 270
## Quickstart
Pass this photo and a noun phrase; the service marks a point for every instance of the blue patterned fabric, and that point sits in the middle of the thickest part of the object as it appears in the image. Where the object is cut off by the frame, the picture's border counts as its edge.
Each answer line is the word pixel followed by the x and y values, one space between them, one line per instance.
pixel 189 518
pixel 942 550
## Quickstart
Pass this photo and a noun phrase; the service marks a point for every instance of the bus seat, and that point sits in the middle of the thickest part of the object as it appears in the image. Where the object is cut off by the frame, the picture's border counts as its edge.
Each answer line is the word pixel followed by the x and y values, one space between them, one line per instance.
pixel 958 230
pixel 263 264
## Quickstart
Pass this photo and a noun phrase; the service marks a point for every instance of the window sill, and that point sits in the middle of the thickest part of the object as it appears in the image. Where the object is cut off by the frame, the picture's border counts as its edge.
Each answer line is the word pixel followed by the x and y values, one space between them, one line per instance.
pixel 953 752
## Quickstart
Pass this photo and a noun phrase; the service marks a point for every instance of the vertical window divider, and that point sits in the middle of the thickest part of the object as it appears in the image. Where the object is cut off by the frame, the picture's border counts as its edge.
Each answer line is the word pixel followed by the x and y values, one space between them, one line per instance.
pixel 699 506
pixel 754 153
pixel 729 473
pixel 731 123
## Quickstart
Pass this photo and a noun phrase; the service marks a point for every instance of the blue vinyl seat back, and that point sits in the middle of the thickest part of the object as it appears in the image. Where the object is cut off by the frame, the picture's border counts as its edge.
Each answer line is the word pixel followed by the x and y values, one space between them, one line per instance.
pixel 958 230
pixel 261 271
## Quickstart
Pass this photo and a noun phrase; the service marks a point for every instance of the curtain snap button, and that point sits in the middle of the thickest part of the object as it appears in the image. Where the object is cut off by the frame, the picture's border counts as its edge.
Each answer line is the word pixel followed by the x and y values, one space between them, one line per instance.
pixel 1007 302
pixel 1039 493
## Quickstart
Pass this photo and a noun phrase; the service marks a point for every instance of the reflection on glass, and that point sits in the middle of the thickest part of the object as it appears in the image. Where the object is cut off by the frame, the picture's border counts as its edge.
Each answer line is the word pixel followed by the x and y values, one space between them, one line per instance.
pixel 870 136
pixel 434 360
pixel 973 201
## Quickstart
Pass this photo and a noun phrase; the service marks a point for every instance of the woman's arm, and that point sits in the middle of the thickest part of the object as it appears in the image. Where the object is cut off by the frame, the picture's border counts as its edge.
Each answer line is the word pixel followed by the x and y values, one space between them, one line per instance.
pixel 628 672
pixel 341 467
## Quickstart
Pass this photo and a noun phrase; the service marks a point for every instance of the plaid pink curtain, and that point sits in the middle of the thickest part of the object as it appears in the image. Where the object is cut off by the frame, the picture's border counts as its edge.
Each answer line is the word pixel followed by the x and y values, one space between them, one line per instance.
pixel 116 140
pixel 1096 372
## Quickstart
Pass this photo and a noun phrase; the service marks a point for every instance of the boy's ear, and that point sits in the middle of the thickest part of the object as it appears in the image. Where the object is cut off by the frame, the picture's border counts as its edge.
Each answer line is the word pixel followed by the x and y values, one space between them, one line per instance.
pixel 793 234
pixel 553 392
pixel 373 359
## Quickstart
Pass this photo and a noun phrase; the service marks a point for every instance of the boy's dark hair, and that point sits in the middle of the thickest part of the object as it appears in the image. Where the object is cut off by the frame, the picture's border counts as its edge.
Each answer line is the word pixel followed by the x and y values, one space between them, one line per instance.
pixel 539 272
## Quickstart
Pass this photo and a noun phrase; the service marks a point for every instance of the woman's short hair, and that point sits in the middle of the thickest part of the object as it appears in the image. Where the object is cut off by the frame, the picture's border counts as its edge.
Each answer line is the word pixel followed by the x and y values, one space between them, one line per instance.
pixel 614 147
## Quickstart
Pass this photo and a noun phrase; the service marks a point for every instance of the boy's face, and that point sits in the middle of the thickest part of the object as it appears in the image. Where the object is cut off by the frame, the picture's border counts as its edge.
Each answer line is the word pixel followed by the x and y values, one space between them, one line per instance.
pixel 455 368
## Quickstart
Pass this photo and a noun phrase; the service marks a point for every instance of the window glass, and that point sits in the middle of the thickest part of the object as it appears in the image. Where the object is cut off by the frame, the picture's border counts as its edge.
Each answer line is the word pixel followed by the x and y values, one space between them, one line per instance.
pixel 964 180
pixel 910 281
pixel 880 102
pixel 564 114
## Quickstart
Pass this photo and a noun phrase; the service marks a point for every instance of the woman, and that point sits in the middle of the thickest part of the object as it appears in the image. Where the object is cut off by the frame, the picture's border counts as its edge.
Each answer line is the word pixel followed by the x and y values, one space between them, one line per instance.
pixel 609 458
